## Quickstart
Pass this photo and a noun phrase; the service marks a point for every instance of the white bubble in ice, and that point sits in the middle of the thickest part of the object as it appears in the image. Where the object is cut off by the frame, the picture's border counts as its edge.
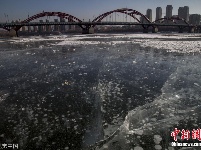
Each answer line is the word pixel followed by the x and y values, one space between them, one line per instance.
pixel 157 139
pixel 138 148
pixel 158 147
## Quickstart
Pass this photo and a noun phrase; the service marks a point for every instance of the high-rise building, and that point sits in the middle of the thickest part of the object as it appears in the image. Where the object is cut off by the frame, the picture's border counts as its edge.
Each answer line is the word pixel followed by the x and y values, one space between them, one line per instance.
pixel 186 13
pixel 149 14
pixel 195 19
pixel 158 13
pixel 183 12
pixel 169 11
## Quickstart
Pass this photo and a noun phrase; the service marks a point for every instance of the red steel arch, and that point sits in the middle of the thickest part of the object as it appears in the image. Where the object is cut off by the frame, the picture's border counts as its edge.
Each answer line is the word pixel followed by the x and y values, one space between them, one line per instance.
pixel 127 11
pixel 59 14
pixel 171 19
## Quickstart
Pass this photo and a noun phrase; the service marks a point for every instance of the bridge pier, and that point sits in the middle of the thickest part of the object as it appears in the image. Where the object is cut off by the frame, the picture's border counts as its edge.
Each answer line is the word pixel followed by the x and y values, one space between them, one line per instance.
pixel 145 30
pixel 181 29
pixel 191 30
pixel 154 29
pixel 199 29
pixel 88 30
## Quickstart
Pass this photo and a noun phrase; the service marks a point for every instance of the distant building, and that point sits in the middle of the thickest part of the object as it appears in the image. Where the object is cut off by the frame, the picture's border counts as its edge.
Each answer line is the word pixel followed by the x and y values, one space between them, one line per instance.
pixel 48 27
pixel 158 13
pixel 69 27
pixel 169 11
pixel 142 20
pixel 186 13
pixel 23 28
pixel 72 27
pixel 35 28
pixel 77 28
pixel 62 27
pixel 176 20
pixel 56 27
pixel 183 12
pixel 149 14
pixel 40 28
pixel 194 19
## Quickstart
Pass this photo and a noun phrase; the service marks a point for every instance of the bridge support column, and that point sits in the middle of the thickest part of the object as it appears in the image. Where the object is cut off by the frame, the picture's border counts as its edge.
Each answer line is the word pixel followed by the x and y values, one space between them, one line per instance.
pixel 88 30
pixel 181 29
pixel 154 29
pixel 191 29
pixel 145 30
pixel 199 29
pixel 13 33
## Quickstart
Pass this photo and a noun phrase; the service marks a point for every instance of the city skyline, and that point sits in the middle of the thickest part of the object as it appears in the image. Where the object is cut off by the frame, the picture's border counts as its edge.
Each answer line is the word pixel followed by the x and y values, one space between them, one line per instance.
pixel 91 9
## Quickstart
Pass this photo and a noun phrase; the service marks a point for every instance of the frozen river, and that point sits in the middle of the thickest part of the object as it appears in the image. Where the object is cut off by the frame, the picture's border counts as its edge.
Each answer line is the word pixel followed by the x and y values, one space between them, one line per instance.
pixel 124 91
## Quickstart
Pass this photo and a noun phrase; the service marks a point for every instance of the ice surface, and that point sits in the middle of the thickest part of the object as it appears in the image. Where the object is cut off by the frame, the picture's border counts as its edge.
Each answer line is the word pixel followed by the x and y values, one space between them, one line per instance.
pixel 3 95
pixel 182 43
pixel 180 96
pixel 180 100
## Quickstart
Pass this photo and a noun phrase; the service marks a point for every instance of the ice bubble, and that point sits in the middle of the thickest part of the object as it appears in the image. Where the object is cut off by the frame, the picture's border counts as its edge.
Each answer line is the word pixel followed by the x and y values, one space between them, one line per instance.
pixel 2 135
pixel 41 46
pixel 157 139
pixel 170 148
pixel 158 147
pixel 105 146
pixel 138 148
pixel 196 84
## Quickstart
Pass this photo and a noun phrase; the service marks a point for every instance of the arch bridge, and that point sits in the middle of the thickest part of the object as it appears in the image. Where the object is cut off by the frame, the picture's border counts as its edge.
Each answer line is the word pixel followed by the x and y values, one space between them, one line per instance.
pixel 127 11
pixel 176 20
pixel 69 17
pixel 88 27
pixel 85 27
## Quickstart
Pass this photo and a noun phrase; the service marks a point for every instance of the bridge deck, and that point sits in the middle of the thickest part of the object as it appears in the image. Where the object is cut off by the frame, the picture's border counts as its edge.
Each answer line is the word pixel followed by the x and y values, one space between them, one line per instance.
pixel 89 23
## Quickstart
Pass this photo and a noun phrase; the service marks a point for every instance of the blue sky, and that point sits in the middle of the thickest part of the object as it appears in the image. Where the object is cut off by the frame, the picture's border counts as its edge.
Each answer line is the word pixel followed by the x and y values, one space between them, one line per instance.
pixel 87 9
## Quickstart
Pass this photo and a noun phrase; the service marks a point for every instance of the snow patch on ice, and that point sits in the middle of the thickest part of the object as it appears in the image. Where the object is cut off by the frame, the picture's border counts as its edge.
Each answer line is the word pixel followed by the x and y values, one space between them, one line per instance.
pixel 172 46
pixel 181 43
